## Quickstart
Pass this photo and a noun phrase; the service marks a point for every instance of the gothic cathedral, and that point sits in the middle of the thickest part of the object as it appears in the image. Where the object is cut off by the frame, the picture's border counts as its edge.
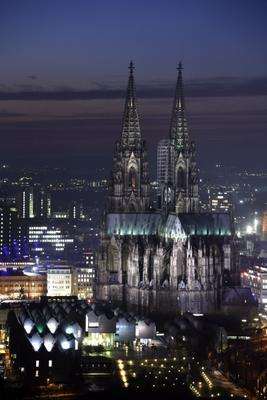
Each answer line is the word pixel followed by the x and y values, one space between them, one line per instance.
pixel 173 259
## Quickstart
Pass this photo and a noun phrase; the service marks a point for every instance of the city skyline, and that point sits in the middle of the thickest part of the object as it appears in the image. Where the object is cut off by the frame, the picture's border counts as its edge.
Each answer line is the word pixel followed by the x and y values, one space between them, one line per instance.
pixel 133 199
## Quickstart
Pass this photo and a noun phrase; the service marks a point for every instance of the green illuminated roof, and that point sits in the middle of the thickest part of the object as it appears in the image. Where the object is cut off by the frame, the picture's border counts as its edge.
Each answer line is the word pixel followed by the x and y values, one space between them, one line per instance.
pixel 173 226
pixel 205 224
pixel 133 224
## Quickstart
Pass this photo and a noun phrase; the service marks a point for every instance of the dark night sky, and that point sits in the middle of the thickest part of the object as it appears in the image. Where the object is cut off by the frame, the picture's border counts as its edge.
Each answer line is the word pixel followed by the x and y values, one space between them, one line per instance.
pixel 63 73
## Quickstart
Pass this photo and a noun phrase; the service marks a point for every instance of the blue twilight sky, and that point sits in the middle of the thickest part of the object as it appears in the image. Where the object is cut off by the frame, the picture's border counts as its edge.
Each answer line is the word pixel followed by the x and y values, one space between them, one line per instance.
pixel 63 72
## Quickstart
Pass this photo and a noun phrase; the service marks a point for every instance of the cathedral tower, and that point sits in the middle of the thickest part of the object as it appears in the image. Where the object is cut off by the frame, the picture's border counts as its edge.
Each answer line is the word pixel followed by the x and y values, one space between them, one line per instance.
pixel 181 191
pixel 129 183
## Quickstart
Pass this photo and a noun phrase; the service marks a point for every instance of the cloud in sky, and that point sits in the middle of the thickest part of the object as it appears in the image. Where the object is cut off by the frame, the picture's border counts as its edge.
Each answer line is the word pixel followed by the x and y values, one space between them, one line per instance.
pixel 9 114
pixel 213 87
pixel 224 115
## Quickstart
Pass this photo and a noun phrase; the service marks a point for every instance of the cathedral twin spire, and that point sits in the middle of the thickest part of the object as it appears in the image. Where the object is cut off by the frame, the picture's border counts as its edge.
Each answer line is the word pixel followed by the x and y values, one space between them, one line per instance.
pixel 178 126
pixel 131 133
pixel 182 179
pixel 129 184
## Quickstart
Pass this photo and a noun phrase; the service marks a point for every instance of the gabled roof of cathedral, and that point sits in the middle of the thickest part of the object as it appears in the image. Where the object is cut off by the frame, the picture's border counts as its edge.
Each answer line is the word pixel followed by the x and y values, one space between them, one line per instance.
pixel 173 227
pixel 178 127
pixel 133 224
pixel 131 133
pixel 204 224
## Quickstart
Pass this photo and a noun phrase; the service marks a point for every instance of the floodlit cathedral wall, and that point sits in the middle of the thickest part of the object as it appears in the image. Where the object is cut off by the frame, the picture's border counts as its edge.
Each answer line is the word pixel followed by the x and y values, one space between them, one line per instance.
pixel 184 275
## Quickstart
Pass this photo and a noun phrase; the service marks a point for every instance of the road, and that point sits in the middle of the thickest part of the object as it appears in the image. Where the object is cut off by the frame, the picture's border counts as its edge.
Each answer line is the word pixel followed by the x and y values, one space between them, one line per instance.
pixel 220 380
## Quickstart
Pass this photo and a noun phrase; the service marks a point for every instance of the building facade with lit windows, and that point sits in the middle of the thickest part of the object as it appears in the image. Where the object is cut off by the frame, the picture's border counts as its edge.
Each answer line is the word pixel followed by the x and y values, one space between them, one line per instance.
pixel 42 204
pixel 170 259
pixel 47 239
pixel 163 150
pixel 84 282
pixel 89 258
pixel 13 238
pixel 15 285
pixel 34 203
pixel 60 281
pixel 256 279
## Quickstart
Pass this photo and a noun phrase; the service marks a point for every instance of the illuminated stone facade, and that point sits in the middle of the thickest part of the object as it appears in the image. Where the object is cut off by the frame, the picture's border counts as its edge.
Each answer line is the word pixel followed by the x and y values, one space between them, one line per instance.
pixel 165 260
pixel 19 286
pixel 264 225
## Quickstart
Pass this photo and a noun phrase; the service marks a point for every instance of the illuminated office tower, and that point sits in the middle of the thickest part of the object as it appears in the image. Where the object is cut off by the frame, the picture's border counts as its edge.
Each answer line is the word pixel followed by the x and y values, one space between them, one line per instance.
pixel 25 203
pixel 162 163
pixel 11 234
pixel 45 239
pixel 42 204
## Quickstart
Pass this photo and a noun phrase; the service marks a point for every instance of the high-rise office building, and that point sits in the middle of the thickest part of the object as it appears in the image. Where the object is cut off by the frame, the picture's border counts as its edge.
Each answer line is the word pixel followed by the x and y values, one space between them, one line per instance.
pixel 163 151
pixel 49 240
pixel 25 203
pixel 42 204
pixel 34 203
pixel 13 242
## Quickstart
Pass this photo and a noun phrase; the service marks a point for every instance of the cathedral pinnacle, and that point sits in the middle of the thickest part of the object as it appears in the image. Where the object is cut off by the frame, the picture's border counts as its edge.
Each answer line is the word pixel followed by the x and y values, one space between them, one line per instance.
pixel 178 128
pixel 130 130
pixel 129 185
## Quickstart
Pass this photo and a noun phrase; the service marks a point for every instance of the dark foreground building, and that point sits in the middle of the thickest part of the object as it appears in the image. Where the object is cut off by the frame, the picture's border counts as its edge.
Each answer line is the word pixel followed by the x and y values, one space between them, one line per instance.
pixel 49 340
pixel 173 258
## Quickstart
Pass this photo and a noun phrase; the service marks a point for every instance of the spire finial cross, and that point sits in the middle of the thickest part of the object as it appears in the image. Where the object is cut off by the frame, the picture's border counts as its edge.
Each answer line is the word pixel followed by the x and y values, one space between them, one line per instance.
pixel 180 66
pixel 131 67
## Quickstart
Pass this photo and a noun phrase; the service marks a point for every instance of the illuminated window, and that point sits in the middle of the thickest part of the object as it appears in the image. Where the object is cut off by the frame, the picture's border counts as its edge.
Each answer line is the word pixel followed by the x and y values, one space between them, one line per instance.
pixel 93 324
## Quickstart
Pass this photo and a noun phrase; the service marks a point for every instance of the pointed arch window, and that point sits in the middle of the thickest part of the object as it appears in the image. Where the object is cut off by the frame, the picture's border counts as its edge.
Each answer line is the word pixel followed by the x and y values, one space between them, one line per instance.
pixel 150 267
pixel 181 178
pixel 132 178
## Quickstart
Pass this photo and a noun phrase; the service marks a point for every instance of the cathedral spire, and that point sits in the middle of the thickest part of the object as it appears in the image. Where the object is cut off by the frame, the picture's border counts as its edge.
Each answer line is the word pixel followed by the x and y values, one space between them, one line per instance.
pixel 131 133
pixel 129 184
pixel 178 128
pixel 181 190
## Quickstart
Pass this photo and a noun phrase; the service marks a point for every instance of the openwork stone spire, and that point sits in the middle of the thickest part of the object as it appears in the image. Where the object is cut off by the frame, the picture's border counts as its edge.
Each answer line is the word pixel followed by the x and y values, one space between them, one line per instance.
pixel 178 128
pixel 131 133
pixel 181 190
pixel 129 184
